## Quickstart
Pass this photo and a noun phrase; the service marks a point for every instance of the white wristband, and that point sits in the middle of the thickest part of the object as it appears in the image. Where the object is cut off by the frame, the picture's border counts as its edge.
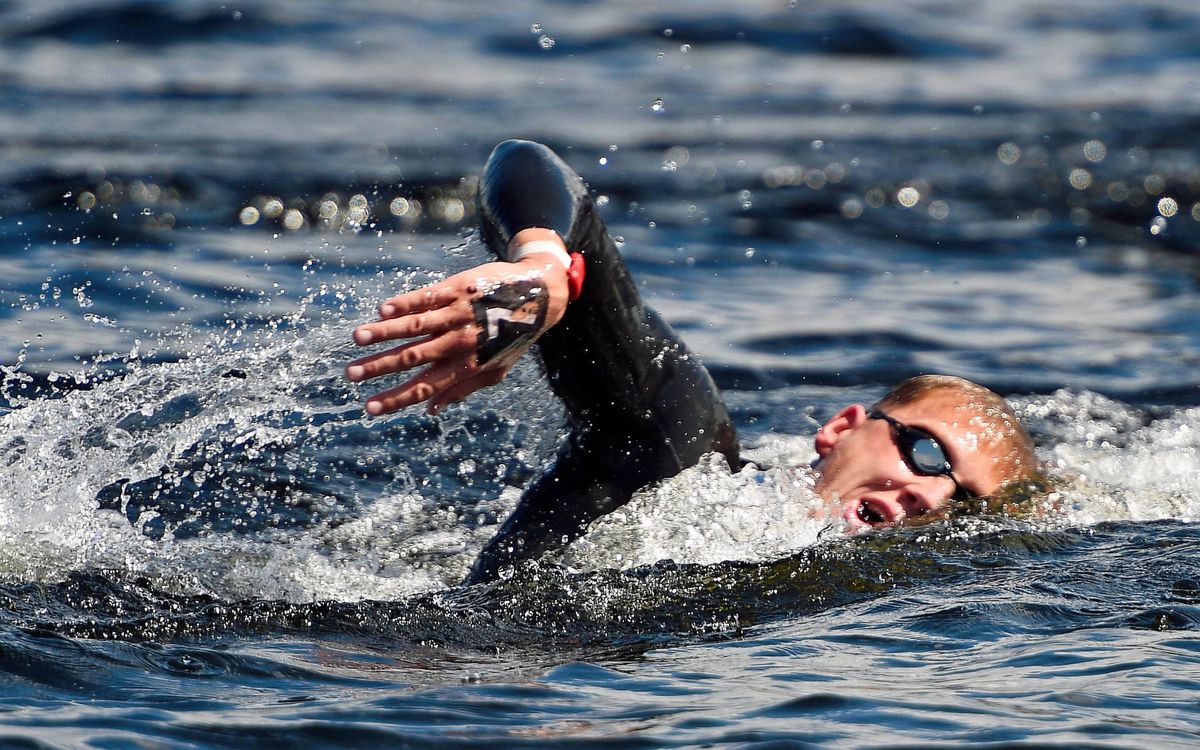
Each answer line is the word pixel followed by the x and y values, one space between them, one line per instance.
pixel 539 246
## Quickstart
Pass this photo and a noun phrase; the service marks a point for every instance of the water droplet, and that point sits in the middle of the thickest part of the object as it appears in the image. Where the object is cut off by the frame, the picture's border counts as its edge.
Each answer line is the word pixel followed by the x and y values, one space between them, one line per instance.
pixel 326 209
pixel 1118 191
pixel 536 28
pixel 1081 241
pixel 852 208
pixel 399 206
pixel 1008 153
pixel 658 105
pixel 1168 207
pixel 685 48
pixel 908 197
pixel 546 42
pixel 1094 151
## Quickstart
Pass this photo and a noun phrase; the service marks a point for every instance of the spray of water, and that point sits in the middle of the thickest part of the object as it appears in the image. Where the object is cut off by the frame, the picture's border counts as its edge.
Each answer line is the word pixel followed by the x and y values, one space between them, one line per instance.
pixel 247 470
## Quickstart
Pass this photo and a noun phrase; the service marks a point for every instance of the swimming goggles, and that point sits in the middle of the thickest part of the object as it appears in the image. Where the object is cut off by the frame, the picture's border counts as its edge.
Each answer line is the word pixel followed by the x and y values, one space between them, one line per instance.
pixel 923 453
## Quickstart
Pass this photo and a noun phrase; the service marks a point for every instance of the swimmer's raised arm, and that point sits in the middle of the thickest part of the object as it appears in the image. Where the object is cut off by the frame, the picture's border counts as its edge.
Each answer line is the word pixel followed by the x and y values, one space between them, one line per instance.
pixel 640 406
pixel 469 329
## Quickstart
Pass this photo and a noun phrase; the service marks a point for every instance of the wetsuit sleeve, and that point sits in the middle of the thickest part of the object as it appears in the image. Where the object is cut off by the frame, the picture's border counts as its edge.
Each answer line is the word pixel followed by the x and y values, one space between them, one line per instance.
pixel 641 406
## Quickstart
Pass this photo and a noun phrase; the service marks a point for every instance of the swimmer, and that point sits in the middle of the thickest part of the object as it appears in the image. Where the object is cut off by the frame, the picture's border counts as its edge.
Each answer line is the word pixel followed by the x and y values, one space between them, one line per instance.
pixel 641 407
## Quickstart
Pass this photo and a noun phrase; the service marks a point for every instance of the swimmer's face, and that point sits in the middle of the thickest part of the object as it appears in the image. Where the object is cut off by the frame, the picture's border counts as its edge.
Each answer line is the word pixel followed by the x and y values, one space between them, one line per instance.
pixel 862 464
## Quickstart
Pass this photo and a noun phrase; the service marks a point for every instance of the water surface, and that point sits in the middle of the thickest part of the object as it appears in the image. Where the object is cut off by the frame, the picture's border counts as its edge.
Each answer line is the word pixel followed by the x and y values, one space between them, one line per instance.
pixel 205 543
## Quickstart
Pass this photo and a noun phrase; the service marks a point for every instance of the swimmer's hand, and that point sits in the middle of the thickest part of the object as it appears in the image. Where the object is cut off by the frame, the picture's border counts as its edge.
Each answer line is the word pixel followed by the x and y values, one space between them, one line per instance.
pixel 469 329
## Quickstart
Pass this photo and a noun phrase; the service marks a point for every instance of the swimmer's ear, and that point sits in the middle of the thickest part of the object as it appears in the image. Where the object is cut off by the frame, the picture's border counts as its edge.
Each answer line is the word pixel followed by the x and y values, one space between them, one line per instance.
pixel 837 426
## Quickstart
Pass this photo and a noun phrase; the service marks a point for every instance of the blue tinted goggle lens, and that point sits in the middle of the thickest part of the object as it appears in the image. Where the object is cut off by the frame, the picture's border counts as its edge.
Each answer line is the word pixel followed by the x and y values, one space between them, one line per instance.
pixel 921 450
pixel 927 456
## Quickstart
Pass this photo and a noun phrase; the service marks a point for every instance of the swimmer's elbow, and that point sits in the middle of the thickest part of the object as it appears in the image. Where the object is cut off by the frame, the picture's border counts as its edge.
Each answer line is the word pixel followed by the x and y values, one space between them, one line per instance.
pixel 524 185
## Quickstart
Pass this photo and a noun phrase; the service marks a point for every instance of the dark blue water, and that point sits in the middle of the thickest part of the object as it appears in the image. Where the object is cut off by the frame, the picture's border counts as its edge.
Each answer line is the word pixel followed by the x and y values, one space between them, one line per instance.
pixel 204 542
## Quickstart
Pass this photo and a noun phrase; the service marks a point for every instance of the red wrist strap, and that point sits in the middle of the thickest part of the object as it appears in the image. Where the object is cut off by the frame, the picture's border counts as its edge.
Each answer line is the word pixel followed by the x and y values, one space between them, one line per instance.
pixel 575 275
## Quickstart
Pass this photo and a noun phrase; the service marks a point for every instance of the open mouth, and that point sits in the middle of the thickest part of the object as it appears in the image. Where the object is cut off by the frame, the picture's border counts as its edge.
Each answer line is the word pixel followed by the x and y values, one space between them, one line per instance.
pixel 869 514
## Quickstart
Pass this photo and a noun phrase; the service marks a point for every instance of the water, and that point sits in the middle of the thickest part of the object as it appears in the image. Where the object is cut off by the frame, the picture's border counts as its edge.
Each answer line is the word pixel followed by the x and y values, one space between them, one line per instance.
pixel 204 543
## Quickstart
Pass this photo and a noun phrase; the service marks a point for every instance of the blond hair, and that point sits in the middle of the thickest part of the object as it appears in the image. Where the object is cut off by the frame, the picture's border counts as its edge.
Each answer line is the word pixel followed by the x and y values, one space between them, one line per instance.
pixel 1016 452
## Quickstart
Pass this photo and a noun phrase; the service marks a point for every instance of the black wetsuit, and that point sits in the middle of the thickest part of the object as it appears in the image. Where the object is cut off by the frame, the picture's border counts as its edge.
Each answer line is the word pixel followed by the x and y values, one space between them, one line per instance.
pixel 641 406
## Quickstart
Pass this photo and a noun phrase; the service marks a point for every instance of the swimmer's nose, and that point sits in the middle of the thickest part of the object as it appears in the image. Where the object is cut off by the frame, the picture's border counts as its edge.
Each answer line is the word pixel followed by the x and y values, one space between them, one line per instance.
pixel 927 496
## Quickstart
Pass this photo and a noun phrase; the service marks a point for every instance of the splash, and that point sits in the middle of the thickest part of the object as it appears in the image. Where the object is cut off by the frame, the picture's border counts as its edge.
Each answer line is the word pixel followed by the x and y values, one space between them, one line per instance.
pixel 249 471
pixel 1116 462
pixel 709 515
pixel 1108 461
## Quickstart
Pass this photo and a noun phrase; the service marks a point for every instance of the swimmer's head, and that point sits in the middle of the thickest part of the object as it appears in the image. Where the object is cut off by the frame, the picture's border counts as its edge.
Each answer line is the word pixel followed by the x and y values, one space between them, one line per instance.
pixel 1002 434
pixel 931 442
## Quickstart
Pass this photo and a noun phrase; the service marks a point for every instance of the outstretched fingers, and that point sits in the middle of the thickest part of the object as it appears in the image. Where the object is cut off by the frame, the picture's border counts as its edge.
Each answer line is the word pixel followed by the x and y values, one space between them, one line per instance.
pixel 426 298
pixel 435 379
pixel 430 322
pixel 454 344
pixel 466 330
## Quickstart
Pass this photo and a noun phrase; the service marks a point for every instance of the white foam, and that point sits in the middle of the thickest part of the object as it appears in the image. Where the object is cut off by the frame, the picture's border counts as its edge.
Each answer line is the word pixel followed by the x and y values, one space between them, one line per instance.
pixel 708 514
pixel 1113 462
pixel 59 453
pixel 1107 466
pixel 1116 463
